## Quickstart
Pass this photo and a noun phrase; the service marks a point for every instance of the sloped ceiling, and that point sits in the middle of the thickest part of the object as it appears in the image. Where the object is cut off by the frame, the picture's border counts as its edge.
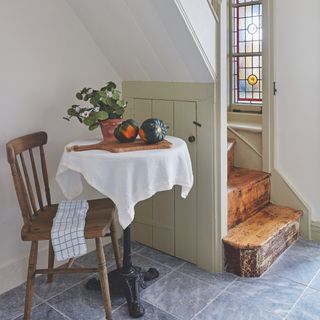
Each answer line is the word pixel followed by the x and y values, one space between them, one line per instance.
pixel 144 40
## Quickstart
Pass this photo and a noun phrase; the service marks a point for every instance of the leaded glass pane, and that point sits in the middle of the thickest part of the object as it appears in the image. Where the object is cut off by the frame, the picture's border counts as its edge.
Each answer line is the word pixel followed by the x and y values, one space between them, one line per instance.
pixel 247 52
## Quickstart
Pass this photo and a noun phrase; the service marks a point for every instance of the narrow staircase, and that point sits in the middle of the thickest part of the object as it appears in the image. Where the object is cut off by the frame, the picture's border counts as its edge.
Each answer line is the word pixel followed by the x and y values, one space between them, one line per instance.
pixel 258 231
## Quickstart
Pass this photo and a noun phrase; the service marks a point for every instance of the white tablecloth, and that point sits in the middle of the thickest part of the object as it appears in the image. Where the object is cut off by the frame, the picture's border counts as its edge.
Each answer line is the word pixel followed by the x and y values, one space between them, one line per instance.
pixel 126 178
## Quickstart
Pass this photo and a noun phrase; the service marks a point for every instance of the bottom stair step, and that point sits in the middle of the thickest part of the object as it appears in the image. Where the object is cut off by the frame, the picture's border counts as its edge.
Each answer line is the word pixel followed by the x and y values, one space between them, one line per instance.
pixel 252 246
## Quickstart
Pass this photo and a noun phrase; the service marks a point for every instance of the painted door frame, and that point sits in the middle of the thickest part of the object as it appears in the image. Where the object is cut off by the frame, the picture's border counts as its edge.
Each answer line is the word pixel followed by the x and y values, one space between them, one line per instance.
pixel 220 135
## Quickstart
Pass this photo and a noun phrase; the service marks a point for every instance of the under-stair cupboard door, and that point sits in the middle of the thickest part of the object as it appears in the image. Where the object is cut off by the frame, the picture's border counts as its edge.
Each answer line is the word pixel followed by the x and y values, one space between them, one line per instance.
pixel 166 221
pixel 141 109
pixel 185 114
pixel 187 228
pixel 163 202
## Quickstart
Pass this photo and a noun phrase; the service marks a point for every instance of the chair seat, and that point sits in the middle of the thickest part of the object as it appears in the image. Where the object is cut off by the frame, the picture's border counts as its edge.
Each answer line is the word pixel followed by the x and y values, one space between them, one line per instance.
pixel 98 221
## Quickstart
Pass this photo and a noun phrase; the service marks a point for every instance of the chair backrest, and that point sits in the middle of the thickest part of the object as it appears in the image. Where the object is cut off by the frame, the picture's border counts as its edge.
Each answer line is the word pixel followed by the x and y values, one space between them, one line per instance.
pixel 23 185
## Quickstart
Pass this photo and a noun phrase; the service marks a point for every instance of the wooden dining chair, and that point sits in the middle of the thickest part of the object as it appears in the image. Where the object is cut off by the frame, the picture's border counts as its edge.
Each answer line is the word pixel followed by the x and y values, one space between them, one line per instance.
pixel 38 217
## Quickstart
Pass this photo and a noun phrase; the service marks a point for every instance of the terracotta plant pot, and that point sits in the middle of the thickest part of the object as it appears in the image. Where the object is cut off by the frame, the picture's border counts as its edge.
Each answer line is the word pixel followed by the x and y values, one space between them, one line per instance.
pixel 107 128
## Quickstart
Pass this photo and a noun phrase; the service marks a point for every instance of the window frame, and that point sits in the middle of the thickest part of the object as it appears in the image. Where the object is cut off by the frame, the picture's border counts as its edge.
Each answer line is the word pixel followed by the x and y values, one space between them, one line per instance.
pixel 244 107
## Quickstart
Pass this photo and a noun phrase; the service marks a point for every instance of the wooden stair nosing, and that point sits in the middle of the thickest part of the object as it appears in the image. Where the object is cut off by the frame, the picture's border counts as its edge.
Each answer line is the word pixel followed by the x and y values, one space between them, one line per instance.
pixel 266 221
pixel 241 177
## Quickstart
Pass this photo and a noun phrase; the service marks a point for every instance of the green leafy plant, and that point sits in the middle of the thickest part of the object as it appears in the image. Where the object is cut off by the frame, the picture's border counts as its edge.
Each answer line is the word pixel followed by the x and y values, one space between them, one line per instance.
pixel 105 103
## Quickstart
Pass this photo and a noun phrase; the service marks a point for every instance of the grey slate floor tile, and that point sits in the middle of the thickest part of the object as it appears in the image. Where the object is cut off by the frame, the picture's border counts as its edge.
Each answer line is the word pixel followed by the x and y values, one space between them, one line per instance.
pixel 180 295
pixel 315 283
pixel 313 243
pixel 299 263
pixel 45 312
pixel 221 279
pixel 12 303
pixel 184 291
pixel 80 304
pixel 161 257
pixel 90 260
pixel 151 312
pixel 145 263
pixel 61 282
pixel 136 246
pixel 308 307
pixel 310 249
pixel 229 306
pixel 276 295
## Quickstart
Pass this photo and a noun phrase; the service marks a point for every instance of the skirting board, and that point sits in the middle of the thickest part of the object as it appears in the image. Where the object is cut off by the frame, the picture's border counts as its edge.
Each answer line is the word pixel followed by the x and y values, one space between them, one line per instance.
pixel 315 231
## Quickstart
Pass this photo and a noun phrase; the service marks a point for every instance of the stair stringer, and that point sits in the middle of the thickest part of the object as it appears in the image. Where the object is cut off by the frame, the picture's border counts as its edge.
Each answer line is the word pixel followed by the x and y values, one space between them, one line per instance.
pixel 284 193
pixel 210 62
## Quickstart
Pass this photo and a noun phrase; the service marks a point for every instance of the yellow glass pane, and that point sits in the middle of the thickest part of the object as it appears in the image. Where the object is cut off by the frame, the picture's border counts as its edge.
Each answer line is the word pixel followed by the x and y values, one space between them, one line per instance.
pixel 252 79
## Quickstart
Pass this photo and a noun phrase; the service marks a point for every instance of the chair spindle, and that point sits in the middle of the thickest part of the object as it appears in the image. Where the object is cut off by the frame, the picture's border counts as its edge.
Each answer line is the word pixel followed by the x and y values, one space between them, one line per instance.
pixel 36 180
pixel 29 187
pixel 45 175
pixel 21 192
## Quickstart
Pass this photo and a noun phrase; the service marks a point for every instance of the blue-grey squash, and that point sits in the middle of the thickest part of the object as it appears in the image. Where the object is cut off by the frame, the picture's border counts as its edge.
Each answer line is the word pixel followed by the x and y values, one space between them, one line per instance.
pixel 153 131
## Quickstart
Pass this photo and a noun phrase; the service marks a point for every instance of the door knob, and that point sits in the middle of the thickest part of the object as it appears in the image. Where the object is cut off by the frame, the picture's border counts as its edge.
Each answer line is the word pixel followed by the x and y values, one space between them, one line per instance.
pixel 192 139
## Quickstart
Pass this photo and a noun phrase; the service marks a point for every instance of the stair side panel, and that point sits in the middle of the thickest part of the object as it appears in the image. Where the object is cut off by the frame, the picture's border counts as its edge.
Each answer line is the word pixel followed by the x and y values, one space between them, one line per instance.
pixel 254 262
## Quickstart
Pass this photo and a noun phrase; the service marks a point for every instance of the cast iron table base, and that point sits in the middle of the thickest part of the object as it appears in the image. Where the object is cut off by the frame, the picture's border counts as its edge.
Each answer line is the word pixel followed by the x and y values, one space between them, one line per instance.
pixel 128 281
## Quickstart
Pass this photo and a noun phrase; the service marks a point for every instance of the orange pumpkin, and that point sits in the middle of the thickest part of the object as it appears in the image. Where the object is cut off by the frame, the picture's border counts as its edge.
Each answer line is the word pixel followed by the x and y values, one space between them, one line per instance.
pixel 127 131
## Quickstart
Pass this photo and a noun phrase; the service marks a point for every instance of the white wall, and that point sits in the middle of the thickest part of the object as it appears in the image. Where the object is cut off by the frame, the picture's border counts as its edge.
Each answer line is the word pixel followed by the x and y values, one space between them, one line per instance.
pixel 297 109
pixel 46 55
pixel 145 40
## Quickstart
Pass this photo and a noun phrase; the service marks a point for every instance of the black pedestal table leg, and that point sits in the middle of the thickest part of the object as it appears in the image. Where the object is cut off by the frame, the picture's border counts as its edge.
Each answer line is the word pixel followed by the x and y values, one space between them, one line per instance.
pixel 132 278
pixel 127 261
pixel 129 280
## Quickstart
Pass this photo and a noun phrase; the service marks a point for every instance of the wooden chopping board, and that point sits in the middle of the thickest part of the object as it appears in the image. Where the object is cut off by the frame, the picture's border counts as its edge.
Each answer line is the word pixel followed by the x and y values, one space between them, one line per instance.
pixel 117 147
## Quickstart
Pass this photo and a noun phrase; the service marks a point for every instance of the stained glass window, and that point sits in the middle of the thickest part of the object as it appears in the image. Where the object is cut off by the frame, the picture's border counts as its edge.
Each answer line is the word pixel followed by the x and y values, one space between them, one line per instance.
pixel 247 51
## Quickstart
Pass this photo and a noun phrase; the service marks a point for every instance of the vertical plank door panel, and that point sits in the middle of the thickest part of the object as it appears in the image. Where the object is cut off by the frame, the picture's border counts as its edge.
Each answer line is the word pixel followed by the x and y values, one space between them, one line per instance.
pixel 163 202
pixel 129 113
pixel 142 109
pixel 142 226
pixel 186 209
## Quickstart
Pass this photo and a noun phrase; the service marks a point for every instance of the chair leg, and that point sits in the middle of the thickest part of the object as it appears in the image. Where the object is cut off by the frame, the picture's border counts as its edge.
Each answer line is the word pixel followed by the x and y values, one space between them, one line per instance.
pixel 103 275
pixel 50 262
pixel 115 244
pixel 30 279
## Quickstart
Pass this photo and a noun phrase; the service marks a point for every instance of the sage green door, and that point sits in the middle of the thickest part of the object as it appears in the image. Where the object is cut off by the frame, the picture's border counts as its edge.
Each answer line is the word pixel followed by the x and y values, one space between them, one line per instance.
pixel 167 222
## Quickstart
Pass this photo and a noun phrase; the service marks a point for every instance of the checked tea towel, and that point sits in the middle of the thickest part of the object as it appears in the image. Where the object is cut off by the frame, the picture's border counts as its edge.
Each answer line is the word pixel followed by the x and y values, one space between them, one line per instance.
pixel 67 233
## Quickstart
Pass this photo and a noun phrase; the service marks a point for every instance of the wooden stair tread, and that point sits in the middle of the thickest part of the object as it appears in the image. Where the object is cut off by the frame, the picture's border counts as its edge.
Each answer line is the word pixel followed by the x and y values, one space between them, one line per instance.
pixel 240 177
pixel 261 227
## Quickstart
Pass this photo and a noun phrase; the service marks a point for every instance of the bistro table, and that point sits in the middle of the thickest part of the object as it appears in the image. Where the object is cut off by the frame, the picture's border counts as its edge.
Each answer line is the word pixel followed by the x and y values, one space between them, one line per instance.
pixel 127 178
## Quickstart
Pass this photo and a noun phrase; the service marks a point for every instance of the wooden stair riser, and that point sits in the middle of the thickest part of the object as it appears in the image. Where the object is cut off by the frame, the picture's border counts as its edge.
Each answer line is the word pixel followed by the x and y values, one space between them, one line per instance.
pixel 244 202
pixel 254 262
